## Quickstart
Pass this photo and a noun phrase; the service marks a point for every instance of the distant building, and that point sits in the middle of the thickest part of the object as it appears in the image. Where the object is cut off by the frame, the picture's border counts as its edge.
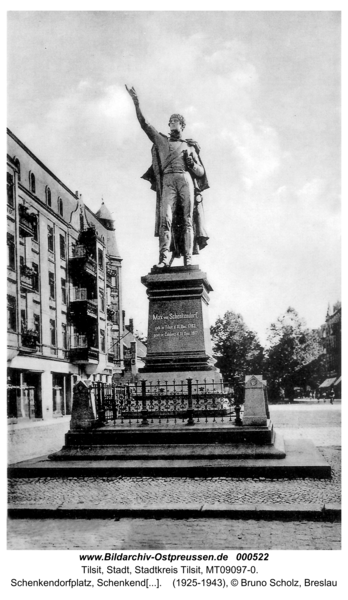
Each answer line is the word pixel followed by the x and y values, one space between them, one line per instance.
pixel 331 337
pixel 64 291
pixel 134 352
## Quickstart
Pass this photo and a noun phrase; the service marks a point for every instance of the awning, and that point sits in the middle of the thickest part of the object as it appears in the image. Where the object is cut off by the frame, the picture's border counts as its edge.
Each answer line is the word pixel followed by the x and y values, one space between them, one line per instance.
pixel 338 380
pixel 327 383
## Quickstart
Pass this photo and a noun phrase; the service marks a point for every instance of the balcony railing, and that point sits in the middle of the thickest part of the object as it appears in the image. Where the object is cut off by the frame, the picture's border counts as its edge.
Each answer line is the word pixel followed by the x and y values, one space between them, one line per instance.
pixel 27 276
pixel 81 294
pixel 79 251
pixel 81 306
pixel 81 350
pixel 81 256
pixel 30 339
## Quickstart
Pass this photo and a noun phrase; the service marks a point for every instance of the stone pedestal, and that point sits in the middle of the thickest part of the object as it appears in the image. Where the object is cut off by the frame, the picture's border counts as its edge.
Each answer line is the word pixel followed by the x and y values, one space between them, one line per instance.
pixel 255 404
pixel 82 414
pixel 179 344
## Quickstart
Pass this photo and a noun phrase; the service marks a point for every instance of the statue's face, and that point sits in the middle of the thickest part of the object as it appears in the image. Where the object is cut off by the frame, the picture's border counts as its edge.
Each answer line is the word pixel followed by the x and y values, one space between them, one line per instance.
pixel 175 125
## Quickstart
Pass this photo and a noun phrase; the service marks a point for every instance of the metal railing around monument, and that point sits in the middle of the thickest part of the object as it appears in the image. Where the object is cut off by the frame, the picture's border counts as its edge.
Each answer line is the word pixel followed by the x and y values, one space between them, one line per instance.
pixel 185 402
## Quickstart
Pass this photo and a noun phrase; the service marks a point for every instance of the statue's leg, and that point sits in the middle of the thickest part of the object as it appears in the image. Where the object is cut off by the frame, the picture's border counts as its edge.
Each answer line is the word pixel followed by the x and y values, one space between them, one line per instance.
pixel 186 193
pixel 166 218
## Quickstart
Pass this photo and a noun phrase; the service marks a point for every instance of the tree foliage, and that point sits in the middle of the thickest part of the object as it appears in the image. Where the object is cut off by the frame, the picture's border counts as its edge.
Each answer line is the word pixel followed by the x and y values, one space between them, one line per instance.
pixel 236 348
pixel 291 345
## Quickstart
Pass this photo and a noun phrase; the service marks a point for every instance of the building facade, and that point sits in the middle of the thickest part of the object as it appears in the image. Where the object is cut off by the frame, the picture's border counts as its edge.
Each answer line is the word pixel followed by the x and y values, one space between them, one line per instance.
pixel 64 290
pixel 331 338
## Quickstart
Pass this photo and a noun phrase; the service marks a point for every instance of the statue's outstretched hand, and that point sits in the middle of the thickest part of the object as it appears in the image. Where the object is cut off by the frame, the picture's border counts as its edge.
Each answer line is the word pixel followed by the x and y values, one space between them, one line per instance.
pixel 131 91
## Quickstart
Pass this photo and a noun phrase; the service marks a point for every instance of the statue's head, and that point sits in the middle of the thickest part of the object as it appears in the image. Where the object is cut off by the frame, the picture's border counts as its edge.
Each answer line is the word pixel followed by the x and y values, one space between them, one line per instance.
pixel 177 123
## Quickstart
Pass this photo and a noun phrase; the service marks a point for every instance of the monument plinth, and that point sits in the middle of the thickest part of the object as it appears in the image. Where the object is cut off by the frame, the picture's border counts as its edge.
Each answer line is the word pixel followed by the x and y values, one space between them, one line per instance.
pixel 179 344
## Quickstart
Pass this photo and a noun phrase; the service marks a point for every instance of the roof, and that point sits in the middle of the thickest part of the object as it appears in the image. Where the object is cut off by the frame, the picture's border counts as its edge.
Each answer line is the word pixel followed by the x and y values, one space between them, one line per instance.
pixel 141 348
pixel 104 213
pixel 108 234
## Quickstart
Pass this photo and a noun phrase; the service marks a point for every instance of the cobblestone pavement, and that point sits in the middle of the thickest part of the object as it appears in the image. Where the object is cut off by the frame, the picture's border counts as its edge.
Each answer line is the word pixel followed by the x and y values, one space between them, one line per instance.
pixel 99 534
pixel 107 491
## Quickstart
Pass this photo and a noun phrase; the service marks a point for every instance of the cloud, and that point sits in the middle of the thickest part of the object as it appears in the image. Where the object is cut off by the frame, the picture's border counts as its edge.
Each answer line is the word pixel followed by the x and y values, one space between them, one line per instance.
pixel 319 204
pixel 115 104
pixel 257 147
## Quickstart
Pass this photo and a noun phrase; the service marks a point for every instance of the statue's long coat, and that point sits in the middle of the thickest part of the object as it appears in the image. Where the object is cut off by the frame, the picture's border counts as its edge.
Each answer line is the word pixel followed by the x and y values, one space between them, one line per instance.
pixel 155 176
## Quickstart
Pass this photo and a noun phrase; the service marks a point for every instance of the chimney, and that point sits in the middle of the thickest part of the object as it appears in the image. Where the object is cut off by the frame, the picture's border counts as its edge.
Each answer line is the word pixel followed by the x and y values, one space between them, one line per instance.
pixel 131 326
pixel 123 319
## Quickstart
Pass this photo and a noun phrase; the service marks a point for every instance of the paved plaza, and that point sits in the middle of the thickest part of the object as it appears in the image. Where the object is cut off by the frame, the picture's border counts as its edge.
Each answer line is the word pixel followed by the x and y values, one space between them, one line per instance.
pixel 212 534
pixel 319 423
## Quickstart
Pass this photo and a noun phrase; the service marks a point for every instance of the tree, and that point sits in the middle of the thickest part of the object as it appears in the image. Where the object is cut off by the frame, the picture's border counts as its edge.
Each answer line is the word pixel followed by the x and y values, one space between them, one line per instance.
pixel 291 346
pixel 236 348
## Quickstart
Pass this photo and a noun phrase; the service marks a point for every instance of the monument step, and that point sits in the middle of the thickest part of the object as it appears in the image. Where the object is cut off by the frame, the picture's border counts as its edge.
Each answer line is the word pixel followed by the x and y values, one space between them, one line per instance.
pixel 168 451
pixel 170 434
pixel 302 460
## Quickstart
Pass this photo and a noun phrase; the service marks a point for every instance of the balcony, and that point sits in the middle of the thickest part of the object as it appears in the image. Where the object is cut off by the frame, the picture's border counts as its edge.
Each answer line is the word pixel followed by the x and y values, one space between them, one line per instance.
pixel 82 307
pixel 82 352
pixel 27 222
pixel 30 340
pixel 28 280
pixel 110 273
pixel 110 314
pixel 81 260
pixel 113 316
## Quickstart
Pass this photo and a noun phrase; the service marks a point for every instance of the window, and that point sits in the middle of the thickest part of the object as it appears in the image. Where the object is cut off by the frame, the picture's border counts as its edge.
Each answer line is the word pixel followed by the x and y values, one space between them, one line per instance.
pixel 60 206
pixel 63 288
pixel 11 252
pixel 11 313
pixel 53 332
pixel 35 228
pixel 32 183
pixel 37 326
pixel 100 259
pixel 102 300
pixel 62 246
pixel 102 340
pixel 35 268
pixel 23 320
pixel 10 193
pixel 114 280
pixel 18 166
pixel 51 285
pixel 82 223
pixel 50 238
pixel 64 336
pixel 48 196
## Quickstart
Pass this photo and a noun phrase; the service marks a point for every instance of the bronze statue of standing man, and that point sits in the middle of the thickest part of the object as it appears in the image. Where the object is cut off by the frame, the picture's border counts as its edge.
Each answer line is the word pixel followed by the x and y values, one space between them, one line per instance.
pixel 178 176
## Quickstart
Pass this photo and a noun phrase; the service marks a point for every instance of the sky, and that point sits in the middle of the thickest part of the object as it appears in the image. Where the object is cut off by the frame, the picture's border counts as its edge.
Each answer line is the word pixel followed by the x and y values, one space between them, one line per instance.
pixel 260 92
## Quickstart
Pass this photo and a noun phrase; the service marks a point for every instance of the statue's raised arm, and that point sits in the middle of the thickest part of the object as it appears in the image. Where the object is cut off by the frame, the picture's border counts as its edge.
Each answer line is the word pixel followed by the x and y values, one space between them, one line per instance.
pixel 131 91
pixel 178 176
pixel 150 131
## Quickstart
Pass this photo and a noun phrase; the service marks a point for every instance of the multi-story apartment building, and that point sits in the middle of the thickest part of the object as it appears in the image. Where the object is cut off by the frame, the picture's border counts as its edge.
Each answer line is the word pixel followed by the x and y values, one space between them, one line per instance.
pixel 64 296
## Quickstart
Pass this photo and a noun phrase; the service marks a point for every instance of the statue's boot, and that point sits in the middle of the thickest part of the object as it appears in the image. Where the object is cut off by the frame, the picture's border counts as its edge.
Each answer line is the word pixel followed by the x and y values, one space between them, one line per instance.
pixel 188 241
pixel 164 260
